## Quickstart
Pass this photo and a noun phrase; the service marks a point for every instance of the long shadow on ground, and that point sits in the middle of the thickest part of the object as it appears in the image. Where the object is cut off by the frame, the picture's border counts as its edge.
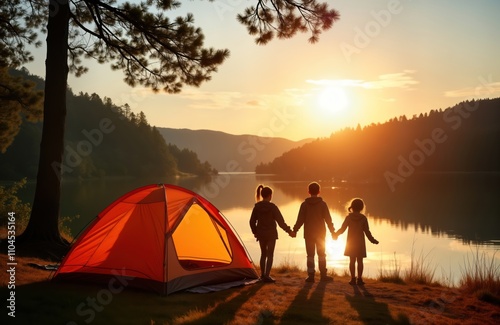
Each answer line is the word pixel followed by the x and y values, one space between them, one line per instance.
pixel 295 314
pixel 57 303
pixel 225 310
pixel 370 311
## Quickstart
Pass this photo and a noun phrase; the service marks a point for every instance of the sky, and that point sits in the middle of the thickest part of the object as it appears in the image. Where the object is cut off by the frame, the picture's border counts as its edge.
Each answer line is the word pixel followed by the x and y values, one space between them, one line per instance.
pixel 382 59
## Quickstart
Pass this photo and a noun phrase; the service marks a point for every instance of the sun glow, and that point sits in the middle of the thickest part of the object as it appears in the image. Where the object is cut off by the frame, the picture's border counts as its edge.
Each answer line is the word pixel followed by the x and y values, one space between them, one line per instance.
pixel 332 99
pixel 335 251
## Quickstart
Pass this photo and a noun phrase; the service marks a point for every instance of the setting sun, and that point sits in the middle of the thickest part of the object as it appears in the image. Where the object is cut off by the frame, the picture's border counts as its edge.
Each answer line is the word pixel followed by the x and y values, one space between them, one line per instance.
pixel 335 251
pixel 332 99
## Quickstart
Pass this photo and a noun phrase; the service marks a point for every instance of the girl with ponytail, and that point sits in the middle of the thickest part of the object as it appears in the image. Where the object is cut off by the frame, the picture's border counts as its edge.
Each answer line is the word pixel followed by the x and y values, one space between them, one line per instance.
pixel 263 222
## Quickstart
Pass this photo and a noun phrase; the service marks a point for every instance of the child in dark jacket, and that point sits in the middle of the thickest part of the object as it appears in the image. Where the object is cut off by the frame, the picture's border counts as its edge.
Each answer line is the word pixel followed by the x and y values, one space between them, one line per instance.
pixel 314 214
pixel 355 246
pixel 265 216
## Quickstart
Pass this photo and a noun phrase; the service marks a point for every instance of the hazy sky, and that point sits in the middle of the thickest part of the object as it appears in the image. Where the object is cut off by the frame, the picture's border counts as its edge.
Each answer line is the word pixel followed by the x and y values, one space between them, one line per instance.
pixel 382 59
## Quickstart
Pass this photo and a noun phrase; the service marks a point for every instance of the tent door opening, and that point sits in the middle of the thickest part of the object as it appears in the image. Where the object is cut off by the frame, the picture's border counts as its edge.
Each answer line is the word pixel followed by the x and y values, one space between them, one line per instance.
pixel 204 246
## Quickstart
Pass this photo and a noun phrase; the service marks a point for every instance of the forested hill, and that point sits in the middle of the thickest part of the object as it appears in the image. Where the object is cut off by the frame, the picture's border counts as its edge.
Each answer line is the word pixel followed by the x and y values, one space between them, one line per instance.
pixel 463 138
pixel 101 139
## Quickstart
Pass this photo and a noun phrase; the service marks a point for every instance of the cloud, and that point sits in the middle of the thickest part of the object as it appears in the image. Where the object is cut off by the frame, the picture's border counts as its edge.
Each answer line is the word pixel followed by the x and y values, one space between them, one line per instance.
pixel 402 80
pixel 211 99
pixel 195 98
pixel 485 89
pixel 394 80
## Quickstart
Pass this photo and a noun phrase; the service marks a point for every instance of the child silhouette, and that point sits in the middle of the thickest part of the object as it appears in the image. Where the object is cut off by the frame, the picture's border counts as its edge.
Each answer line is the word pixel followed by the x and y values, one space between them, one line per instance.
pixel 315 216
pixel 265 216
pixel 355 246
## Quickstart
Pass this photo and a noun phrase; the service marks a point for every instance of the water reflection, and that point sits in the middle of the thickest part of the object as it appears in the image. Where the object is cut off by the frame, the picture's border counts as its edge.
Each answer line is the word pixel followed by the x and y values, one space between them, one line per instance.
pixel 461 206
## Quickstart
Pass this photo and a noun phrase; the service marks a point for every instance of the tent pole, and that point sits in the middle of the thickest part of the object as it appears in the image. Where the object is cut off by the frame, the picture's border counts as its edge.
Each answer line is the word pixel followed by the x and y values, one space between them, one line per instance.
pixel 165 240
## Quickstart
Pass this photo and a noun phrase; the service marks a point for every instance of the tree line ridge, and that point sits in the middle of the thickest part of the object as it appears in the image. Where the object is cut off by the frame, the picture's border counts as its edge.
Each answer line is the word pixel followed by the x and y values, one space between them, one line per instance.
pixel 460 139
pixel 102 139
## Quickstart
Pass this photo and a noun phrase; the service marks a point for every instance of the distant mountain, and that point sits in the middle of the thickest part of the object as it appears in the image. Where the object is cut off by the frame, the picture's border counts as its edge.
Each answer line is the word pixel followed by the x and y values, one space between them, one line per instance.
pixel 227 152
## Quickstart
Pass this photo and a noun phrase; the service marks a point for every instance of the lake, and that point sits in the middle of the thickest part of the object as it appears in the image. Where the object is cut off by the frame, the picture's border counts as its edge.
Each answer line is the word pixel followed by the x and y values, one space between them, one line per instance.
pixel 444 219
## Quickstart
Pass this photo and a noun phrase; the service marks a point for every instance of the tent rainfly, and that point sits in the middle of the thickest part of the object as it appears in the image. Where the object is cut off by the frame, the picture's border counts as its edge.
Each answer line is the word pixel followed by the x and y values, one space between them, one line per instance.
pixel 158 237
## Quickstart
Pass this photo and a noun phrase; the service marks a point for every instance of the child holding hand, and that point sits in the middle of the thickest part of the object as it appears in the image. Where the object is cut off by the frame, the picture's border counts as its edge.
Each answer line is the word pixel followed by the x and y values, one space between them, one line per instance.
pixel 263 222
pixel 355 245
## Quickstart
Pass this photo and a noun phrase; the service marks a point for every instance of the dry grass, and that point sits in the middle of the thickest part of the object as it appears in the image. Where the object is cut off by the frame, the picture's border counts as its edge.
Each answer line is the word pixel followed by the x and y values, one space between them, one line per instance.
pixel 287 265
pixel 289 301
pixel 393 274
pixel 481 276
pixel 419 271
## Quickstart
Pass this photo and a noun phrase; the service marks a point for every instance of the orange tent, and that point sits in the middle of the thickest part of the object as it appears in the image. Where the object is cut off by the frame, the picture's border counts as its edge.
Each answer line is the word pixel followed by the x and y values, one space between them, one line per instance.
pixel 159 237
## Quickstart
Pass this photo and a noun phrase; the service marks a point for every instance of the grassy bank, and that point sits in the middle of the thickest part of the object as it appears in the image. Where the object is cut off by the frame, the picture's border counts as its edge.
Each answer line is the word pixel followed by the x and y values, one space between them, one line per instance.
pixel 289 301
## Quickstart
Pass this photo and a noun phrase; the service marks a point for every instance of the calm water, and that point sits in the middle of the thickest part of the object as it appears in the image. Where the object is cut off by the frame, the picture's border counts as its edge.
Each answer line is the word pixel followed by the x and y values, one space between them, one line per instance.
pixel 444 219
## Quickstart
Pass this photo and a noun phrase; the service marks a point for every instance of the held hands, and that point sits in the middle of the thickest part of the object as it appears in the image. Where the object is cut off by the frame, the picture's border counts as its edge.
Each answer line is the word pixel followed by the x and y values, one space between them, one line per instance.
pixel 292 234
pixel 335 236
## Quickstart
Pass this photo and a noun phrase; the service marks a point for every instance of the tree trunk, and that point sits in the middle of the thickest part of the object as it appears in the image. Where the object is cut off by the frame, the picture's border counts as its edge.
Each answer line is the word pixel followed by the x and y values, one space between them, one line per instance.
pixel 43 223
